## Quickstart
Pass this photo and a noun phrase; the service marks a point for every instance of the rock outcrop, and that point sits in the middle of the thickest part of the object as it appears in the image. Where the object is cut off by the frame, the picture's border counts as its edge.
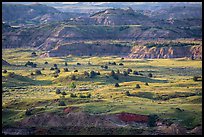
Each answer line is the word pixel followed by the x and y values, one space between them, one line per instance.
pixel 166 52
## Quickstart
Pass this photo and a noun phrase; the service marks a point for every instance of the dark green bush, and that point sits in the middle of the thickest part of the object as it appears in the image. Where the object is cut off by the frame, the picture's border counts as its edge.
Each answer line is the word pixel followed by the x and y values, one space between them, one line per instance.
pixel 117 85
pixel 38 72
pixel 195 78
pixel 113 63
pixel 150 75
pixel 4 71
pixel 58 91
pixel 137 86
pixel 129 70
pixel 135 73
pixel 92 74
pixel 55 66
pixel 62 103
pixel 33 54
pixel 66 70
pixel 127 93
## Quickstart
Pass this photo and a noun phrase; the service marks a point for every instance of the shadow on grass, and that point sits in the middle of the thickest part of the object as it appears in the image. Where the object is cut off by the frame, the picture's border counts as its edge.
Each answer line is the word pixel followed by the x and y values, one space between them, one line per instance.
pixel 109 79
pixel 18 80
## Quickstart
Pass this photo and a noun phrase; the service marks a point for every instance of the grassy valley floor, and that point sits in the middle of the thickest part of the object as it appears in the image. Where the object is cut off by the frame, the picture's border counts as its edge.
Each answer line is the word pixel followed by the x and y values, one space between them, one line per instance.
pixel 171 92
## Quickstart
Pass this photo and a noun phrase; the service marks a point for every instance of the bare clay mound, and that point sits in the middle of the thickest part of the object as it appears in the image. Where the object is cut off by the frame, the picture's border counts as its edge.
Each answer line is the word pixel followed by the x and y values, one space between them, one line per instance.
pixel 79 122
pixel 66 120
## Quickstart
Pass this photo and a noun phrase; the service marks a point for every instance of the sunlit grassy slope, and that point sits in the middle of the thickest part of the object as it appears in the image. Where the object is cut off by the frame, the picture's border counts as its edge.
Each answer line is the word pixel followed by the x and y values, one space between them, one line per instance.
pixel 171 86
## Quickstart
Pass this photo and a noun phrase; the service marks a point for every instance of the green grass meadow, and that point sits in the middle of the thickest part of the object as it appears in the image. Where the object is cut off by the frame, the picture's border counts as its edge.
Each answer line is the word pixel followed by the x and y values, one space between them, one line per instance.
pixel 172 86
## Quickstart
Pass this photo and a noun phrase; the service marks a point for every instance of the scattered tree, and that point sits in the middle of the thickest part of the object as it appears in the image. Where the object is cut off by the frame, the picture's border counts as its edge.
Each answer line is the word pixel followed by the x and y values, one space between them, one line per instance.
pixel 76 70
pixel 195 78
pixel 113 63
pixel 38 72
pixel 150 75
pixel 65 64
pixel 92 74
pixel 57 71
pixel 61 103
pixel 98 73
pixel 117 85
pixel 52 68
pixel 137 86
pixel 58 91
pixel 33 54
pixel 46 62
pixel 121 64
pixel 129 70
pixel 55 66
pixel 127 93
pixel 28 63
pixel 66 70
pixel 31 64
pixel 4 71
pixel 135 73
pixel 78 63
